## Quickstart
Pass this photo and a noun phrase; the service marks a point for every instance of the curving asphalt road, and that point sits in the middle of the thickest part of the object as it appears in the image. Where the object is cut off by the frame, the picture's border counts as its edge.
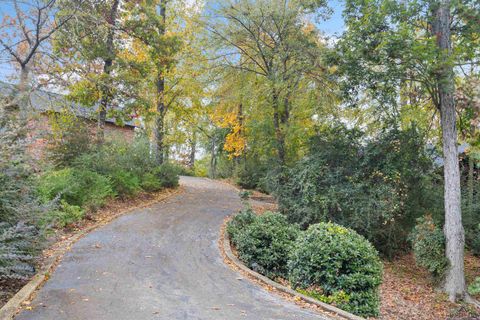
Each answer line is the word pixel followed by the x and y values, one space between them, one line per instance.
pixel 162 262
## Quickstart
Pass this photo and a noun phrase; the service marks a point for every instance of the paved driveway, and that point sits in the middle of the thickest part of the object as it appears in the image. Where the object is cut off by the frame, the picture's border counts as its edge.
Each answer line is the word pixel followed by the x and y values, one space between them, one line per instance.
pixel 162 262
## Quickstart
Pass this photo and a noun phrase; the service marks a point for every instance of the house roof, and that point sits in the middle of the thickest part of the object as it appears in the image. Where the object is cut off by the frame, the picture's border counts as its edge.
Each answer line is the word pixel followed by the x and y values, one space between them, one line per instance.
pixel 43 101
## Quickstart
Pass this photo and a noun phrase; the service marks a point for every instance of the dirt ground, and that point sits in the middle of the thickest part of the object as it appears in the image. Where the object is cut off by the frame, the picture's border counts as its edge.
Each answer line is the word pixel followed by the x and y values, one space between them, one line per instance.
pixel 408 292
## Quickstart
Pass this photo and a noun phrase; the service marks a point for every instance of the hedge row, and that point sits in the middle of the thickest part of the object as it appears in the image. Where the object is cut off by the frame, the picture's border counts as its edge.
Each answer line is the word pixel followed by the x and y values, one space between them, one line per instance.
pixel 327 261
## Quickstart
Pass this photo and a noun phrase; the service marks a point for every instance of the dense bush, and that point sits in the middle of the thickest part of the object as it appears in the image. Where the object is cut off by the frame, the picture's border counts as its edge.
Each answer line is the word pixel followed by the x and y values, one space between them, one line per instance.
pixel 77 187
pixel 125 184
pixel 428 244
pixel 251 173
pixel 264 244
pixel 377 187
pixel 167 174
pixel 183 170
pixel 130 166
pixel 475 241
pixel 239 222
pixel 474 287
pixel 62 216
pixel 149 182
pixel 340 263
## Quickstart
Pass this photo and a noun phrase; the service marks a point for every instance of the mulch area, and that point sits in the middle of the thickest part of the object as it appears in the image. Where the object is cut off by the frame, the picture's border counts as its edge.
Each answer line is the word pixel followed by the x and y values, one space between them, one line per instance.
pixel 408 292
pixel 61 240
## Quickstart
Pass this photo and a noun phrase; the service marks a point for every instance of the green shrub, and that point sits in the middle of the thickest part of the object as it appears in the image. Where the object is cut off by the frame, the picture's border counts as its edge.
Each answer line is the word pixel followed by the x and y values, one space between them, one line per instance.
pixel 250 174
pixel 125 183
pixel 201 167
pixel 337 259
pixel 77 187
pixel 54 183
pixel 117 157
pixel 337 298
pixel 150 182
pixel 167 174
pixel 239 222
pixel 63 216
pixel 185 171
pixel 472 231
pixel 475 243
pixel 474 287
pixel 245 195
pixel 376 186
pixel 428 244
pixel 265 244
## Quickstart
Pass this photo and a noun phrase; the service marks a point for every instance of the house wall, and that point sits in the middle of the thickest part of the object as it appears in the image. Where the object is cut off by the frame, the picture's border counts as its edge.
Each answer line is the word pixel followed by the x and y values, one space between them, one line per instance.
pixel 39 130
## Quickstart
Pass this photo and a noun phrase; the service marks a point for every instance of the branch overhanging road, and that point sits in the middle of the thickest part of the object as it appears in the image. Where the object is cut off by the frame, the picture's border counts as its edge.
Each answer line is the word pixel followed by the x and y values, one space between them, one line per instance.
pixel 161 262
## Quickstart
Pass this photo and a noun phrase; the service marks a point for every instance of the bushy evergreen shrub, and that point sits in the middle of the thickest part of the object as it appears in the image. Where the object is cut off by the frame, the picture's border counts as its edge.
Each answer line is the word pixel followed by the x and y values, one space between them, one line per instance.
pixel 130 166
pixel 264 245
pixel 125 183
pixel 62 216
pixel 428 244
pixel 378 187
pixel 336 259
pixel 251 173
pixel 474 287
pixel 239 222
pixel 149 182
pixel 167 174
pixel 475 241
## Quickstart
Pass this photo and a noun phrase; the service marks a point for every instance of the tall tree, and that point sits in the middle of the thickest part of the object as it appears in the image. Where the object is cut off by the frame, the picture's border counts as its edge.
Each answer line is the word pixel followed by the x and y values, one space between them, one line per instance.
pixel 159 128
pixel 273 42
pixel 89 44
pixel 25 36
pixel 454 233
pixel 107 67
pixel 391 42
pixel 148 23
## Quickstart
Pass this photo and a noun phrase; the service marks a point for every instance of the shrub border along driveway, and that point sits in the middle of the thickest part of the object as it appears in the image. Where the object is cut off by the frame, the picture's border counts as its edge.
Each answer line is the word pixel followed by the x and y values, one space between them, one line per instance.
pixel 330 310
pixel 13 306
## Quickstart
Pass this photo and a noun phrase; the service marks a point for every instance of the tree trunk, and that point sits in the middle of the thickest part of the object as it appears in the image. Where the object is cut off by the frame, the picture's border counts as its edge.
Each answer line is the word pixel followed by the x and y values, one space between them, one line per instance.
pixel 240 116
pixel 279 136
pixel 213 158
pixel 453 229
pixel 193 150
pixel 159 129
pixel 24 77
pixel 107 69
pixel 20 103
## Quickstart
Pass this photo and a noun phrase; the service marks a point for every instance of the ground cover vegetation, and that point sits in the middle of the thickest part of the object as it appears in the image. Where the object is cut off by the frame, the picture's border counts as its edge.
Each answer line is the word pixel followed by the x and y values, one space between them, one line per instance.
pixel 367 138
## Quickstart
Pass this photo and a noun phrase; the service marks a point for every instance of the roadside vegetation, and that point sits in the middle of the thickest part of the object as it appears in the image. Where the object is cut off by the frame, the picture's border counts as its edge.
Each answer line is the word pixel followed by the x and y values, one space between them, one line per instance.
pixel 77 178
pixel 367 138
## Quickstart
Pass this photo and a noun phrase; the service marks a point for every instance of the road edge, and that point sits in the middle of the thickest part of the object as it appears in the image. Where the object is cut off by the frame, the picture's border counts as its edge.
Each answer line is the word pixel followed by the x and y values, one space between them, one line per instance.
pixel 227 250
pixel 14 305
